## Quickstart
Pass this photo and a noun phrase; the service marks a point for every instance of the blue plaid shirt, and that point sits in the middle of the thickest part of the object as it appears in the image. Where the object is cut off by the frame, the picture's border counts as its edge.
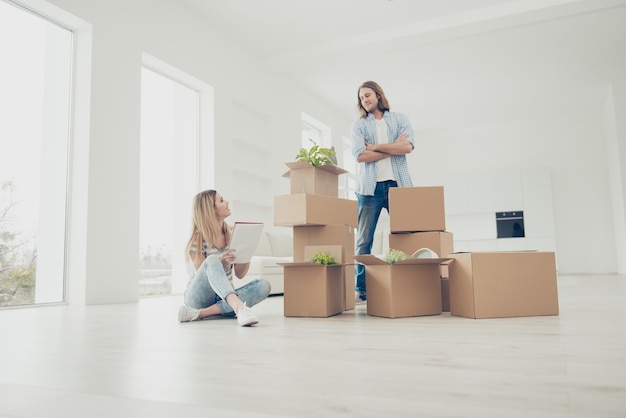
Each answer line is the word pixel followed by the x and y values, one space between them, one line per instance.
pixel 364 131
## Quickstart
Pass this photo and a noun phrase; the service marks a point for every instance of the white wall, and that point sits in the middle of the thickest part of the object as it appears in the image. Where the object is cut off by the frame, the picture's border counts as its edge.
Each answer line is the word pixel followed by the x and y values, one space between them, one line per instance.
pixel 122 31
pixel 571 148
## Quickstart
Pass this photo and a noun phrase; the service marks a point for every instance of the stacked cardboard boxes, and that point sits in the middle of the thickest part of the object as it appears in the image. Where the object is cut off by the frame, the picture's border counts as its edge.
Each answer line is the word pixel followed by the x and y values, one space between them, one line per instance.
pixel 321 221
pixel 419 221
pixel 412 287
pixel 475 284
pixel 471 284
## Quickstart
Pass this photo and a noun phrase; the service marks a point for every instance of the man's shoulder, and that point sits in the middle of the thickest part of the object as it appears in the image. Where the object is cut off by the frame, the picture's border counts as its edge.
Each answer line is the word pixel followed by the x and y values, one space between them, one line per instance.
pixel 397 118
pixel 360 121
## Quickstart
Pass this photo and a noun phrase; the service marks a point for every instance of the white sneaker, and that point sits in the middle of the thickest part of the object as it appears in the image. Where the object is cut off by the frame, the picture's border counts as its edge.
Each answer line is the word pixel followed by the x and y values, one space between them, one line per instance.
pixel 245 316
pixel 187 314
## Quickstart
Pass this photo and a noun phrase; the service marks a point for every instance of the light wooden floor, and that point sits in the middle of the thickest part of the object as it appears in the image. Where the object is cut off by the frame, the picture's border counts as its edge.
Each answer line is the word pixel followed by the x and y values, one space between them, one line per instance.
pixel 136 360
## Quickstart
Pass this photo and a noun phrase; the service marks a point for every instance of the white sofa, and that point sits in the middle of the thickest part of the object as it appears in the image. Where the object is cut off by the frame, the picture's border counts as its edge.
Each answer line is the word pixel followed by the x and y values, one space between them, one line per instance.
pixel 275 246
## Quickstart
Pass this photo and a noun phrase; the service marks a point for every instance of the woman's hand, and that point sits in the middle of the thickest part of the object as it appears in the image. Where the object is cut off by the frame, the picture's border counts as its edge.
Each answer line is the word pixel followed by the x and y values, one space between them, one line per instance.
pixel 228 257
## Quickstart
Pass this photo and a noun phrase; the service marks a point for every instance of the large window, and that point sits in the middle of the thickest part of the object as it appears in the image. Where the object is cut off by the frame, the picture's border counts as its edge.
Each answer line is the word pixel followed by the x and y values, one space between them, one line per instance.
pixel 316 131
pixel 35 86
pixel 169 179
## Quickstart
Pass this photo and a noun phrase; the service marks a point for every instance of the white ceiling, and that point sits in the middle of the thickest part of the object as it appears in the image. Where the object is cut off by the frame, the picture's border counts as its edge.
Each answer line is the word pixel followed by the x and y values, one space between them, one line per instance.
pixel 448 64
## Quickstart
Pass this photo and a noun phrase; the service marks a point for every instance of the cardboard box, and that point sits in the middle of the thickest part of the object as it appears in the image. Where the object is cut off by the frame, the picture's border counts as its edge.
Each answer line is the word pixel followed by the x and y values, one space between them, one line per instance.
pixel 411 287
pixel 413 209
pixel 503 284
pixel 312 290
pixel 445 295
pixel 343 235
pixel 349 278
pixel 305 178
pixel 337 252
pixel 309 209
pixel 440 242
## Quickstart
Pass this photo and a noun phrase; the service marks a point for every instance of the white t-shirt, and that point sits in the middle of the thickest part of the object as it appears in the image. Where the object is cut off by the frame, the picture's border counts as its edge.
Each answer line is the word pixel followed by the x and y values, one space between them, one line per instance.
pixel 384 169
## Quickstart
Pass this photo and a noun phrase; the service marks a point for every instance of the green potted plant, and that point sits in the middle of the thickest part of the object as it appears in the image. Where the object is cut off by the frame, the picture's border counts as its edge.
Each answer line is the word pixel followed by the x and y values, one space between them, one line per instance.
pixel 316 155
pixel 324 258
pixel 393 256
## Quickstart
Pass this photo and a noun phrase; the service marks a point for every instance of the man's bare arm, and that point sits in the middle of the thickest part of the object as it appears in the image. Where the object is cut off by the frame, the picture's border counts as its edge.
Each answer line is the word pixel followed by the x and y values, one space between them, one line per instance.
pixel 399 147
pixel 371 156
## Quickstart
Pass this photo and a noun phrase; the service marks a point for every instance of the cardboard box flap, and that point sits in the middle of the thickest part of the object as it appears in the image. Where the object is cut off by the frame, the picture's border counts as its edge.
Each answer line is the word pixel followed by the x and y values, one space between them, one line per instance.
pixel 298 165
pixel 496 252
pixel 308 264
pixel 411 260
pixel 371 260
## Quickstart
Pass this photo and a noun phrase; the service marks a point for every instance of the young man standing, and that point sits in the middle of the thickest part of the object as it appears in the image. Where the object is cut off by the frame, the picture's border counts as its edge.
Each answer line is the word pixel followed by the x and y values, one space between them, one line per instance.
pixel 380 142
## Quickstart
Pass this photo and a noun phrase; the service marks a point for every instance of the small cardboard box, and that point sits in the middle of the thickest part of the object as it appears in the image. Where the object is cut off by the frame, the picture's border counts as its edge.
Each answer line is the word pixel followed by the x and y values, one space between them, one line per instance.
pixel 413 209
pixel 337 251
pixel 309 209
pixel 343 235
pixel 503 284
pixel 312 290
pixel 410 287
pixel 305 178
pixel 305 236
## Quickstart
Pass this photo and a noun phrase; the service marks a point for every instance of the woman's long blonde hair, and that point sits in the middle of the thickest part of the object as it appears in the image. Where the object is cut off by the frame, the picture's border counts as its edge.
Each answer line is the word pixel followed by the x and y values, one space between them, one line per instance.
pixel 204 223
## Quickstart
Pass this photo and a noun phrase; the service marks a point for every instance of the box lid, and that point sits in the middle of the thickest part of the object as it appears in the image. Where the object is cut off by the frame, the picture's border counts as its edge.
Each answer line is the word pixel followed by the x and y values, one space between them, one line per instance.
pixel 298 165
pixel 369 259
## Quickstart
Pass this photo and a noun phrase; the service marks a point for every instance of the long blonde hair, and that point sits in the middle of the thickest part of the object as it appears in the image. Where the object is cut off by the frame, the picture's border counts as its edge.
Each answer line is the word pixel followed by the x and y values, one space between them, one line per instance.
pixel 204 223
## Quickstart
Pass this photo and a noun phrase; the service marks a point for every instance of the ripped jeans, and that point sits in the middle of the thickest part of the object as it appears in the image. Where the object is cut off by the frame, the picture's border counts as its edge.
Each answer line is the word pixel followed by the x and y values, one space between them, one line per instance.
pixel 210 285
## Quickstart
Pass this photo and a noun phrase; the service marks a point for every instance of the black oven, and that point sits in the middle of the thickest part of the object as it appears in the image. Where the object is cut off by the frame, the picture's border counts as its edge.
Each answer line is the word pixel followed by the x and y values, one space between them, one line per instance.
pixel 510 224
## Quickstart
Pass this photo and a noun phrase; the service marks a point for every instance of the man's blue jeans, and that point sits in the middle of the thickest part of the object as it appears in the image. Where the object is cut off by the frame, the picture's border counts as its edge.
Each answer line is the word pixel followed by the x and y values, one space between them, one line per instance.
pixel 369 212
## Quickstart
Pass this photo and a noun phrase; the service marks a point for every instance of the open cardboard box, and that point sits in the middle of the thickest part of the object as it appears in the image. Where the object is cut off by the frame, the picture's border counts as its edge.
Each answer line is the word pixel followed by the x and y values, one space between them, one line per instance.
pixel 305 178
pixel 411 287
pixel 324 235
pixel 313 289
pixel 339 252
pixel 441 242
